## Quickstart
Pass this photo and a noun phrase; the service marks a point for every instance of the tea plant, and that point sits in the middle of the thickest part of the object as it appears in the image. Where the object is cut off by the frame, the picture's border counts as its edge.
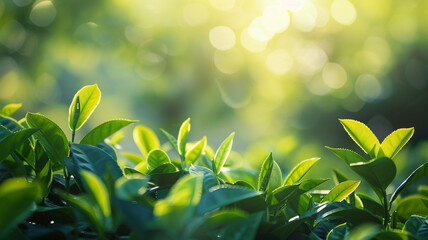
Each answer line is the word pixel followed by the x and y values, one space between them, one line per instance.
pixel 55 188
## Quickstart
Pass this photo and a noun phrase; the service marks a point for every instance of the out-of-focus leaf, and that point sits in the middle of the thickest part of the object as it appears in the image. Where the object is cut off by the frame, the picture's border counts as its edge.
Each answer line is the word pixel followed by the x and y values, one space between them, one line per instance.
pixel 145 139
pixel 10 109
pixel 197 149
pixel 222 153
pixel 393 143
pixel 136 216
pixel 42 167
pixel 362 136
pixel 51 137
pixel 172 140
pixel 341 191
pixel 14 140
pixel 235 174
pixel 412 205
pixel 300 171
pixel 394 235
pixel 156 157
pixel 242 229
pixel 340 232
pixel 209 178
pixel 182 137
pixel 348 156
pixel 105 130
pixel 417 226
pixel 164 168
pixel 17 201
pixel 10 123
pixel 89 98
pixel 131 187
pixel 419 173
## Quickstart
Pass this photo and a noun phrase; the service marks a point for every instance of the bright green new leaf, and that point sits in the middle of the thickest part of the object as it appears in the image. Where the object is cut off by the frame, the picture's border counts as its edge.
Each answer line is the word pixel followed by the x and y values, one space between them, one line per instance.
pixel 182 137
pixel 164 168
pixel 105 130
pixel 222 153
pixel 145 139
pixel 265 173
pixel 51 137
pixel 172 140
pixel 17 202
pixel 347 155
pixel 341 191
pixel 275 180
pixel 379 173
pixel 94 186
pixel 133 157
pixel 156 157
pixel 393 143
pixel 180 204
pixel 300 171
pixel 419 173
pixel 14 140
pixel 362 136
pixel 10 109
pixel 89 98
pixel 197 149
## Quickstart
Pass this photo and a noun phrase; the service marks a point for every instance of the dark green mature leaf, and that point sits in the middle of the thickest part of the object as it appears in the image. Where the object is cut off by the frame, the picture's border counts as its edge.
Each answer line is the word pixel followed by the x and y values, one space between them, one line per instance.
pixel 371 205
pixel 362 136
pixel 419 173
pixel 197 149
pixel 182 137
pixel 17 201
pixel 156 157
pixel 242 229
pixel 347 155
pixel 43 168
pixel 10 123
pixel 394 235
pixel 225 196
pixel 340 232
pixel 10 109
pixel 417 226
pixel 51 137
pixel 4 132
pixel 92 159
pixel 136 216
pixel 300 171
pixel 379 173
pixel 105 130
pixel 393 143
pixel 265 173
pixel 350 214
pixel 14 140
pixel 89 98
pixel 131 187
pixel 222 153
pixel 341 191
pixel 145 139
pixel 412 205
pixel 209 179
pixel 287 192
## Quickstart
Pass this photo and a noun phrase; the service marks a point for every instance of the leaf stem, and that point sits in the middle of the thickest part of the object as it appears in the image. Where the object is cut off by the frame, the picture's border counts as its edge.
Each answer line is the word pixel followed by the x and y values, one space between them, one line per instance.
pixel 385 210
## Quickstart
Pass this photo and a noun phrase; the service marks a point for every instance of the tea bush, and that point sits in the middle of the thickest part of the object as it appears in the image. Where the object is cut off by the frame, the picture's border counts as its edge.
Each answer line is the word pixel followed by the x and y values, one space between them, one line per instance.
pixel 53 188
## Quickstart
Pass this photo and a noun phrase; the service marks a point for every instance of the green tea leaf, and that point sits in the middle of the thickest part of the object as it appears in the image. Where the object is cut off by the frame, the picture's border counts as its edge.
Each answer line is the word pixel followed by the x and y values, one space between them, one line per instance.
pixel 419 173
pixel 275 180
pixel 197 149
pixel 265 173
pixel 341 191
pixel 412 205
pixel 164 168
pixel 347 155
pixel 105 130
pixel 182 137
pixel 131 187
pixel 17 202
pixel 222 153
pixel 418 226
pixel 340 232
pixel 42 167
pixel 362 136
pixel 171 139
pixel 242 229
pixel 51 137
pixel 94 186
pixel 180 204
pixel 338 177
pixel 10 123
pixel 145 139
pixel 379 173
pixel 209 178
pixel 133 157
pixel 14 140
pixel 393 143
pixel 156 157
pixel 300 171
pixel 89 98
pixel 10 109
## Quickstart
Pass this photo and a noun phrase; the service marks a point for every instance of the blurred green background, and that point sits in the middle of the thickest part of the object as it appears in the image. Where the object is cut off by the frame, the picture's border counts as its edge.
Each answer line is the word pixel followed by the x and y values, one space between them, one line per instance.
pixel 278 72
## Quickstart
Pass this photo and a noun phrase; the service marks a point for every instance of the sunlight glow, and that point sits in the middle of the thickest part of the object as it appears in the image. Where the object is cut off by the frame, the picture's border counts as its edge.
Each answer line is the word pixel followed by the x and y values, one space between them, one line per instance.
pixel 343 12
pixel 279 61
pixel 195 14
pixel 222 38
